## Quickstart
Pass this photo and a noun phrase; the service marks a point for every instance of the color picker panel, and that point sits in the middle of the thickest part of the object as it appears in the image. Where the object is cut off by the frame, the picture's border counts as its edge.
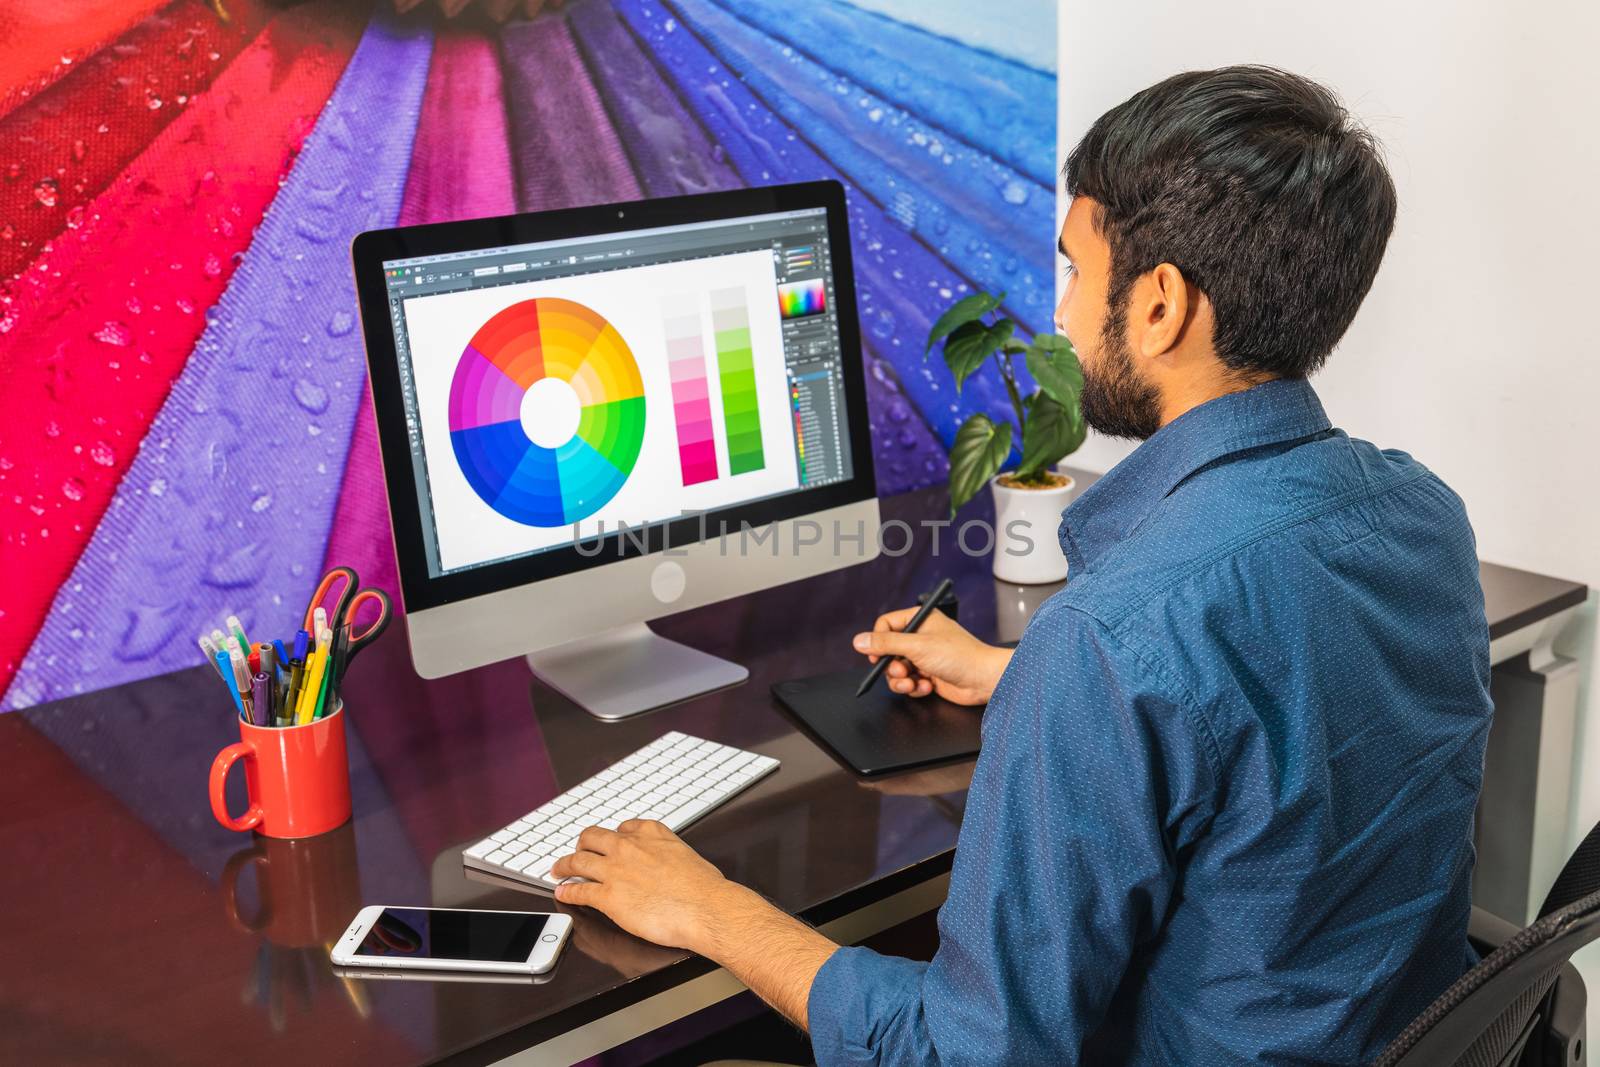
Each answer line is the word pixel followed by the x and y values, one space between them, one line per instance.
pixel 798 299
pixel 736 372
pixel 691 398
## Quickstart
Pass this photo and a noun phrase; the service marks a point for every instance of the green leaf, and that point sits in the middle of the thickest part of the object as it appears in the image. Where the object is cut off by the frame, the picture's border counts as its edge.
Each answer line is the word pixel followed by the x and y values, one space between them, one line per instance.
pixel 967 309
pixel 971 344
pixel 1054 365
pixel 980 447
pixel 1050 433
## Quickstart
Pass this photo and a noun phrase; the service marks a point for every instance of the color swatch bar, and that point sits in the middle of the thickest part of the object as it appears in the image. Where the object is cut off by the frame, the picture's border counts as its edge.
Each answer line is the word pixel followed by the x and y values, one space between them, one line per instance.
pixel 730 319
pixel 799 431
pixel 802 298
pixel 691 403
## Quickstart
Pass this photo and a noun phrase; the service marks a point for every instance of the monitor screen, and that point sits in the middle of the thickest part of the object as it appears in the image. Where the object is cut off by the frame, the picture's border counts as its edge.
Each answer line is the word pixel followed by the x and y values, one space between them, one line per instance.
pixel 563 390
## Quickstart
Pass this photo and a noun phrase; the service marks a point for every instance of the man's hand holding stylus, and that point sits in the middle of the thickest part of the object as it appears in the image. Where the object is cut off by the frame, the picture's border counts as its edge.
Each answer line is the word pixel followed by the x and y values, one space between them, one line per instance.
pixel 941 657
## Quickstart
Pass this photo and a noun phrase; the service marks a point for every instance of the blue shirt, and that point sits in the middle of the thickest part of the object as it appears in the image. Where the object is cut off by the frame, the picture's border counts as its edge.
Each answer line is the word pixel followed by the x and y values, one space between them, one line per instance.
pixel 1224 808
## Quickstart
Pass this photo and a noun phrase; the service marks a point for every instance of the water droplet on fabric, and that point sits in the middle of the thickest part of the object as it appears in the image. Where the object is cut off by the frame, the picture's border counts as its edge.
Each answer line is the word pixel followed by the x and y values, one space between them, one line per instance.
pixel 261 503
pixel 72 489
pixel 1014 192
pixel 47 192
pixel 212 266
pixel 311 396
pixel 340 324
pixel 102 454
pixel 114 333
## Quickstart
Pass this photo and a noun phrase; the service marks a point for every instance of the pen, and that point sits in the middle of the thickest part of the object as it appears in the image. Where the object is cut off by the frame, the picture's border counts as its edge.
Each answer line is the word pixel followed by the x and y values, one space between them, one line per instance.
pixel 311 688
pixel 253 660
pixel 237 631
pixel 291 698
pixel 225 668
pixel 209 649
pixel 928 607
pixel 262 696
pixel 301 641
pixel 279 655
pixel 241 679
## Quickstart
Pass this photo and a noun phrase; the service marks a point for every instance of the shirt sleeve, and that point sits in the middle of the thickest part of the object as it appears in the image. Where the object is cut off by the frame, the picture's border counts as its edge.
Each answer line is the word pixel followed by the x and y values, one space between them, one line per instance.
pixel 1092 780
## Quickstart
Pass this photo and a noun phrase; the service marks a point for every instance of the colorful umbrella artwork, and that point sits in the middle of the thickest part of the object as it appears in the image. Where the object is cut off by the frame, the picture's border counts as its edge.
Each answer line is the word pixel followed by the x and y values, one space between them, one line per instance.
pixel 184 427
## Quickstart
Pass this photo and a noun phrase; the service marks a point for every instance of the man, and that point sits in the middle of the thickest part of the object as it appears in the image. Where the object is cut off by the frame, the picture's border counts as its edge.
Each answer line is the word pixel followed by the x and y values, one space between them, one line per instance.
pixel 1223 812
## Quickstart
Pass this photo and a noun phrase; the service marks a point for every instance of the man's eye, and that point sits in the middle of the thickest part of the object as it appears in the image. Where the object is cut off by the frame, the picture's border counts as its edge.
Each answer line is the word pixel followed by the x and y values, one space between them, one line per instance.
pixel 1066 271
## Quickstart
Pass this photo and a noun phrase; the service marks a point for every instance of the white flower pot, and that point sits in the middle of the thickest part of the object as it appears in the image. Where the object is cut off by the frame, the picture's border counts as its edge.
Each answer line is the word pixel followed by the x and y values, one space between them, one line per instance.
pixel 1026 549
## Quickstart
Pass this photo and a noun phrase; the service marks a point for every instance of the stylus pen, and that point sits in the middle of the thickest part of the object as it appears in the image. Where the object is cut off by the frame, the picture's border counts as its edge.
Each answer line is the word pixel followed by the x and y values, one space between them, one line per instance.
pixel 929 606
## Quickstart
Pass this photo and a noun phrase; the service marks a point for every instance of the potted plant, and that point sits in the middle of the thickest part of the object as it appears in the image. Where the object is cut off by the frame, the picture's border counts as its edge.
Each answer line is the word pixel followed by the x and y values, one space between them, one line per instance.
pixel 1030 497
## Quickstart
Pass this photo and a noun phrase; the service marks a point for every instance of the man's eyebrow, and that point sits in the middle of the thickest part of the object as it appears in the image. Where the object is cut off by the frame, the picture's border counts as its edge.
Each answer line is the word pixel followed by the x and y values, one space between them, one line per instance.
pixel 1061 246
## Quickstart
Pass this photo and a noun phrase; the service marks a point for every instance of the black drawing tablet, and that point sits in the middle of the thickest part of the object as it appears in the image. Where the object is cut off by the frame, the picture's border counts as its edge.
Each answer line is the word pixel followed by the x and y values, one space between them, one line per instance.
pixel 882 732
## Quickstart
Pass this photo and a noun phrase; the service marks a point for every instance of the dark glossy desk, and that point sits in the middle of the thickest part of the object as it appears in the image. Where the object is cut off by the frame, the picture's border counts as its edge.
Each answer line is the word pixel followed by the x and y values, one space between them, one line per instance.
pixel 134 929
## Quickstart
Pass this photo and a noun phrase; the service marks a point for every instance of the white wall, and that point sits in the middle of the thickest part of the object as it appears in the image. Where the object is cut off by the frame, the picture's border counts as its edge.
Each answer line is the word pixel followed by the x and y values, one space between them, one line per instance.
pixel 1476 350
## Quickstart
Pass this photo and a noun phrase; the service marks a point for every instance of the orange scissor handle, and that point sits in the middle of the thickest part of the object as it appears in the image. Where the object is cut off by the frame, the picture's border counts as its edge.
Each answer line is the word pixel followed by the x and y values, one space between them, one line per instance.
pixel 368 596
pixel 340 606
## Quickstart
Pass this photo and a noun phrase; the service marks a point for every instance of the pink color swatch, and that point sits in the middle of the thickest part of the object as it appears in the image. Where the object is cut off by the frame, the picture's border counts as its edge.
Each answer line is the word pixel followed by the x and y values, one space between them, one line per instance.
pixel 691 404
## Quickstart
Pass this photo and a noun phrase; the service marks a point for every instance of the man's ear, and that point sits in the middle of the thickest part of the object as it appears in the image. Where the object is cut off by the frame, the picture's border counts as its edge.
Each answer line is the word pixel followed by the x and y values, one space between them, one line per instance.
pixel 1159 311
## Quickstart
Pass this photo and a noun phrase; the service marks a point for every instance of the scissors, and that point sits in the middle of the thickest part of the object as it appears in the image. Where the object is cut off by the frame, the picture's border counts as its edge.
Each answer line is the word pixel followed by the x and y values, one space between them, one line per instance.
pixel 347 638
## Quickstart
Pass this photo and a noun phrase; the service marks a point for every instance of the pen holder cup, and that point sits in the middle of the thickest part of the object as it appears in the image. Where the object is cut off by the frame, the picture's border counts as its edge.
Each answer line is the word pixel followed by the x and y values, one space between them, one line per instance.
pixel 297 778
pixel 306 889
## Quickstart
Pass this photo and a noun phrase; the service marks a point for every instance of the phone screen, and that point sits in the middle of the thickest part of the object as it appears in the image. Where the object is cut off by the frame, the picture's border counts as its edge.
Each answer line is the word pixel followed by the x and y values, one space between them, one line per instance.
pixel 483 936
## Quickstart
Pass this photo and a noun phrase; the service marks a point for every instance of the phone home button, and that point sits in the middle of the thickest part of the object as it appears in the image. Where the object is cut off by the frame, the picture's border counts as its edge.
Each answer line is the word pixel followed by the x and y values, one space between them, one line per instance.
pixel 549 939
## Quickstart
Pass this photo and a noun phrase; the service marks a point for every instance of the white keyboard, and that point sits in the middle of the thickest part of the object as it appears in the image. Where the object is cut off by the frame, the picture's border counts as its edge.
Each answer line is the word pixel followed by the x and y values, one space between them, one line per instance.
pixel 675 779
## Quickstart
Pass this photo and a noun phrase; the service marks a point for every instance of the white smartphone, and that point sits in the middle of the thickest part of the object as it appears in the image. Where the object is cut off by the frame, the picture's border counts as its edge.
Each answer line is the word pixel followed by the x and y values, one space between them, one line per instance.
pixel 453 939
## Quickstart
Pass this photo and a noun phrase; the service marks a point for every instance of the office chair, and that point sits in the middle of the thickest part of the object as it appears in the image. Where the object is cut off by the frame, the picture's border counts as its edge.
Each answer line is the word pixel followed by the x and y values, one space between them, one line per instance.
pixel 1523 1005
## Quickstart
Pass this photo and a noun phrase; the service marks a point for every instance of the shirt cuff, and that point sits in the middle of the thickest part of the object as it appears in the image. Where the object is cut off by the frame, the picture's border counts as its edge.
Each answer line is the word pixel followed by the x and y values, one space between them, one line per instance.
pixel 859 1010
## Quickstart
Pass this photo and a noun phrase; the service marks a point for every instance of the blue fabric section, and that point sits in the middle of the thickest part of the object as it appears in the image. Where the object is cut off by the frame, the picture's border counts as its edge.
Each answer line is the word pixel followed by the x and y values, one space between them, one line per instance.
pixel 974 211
pixel 228 505
pixel 1242 750
pixel 902 286
pixel 1022 31
pixel 1001 108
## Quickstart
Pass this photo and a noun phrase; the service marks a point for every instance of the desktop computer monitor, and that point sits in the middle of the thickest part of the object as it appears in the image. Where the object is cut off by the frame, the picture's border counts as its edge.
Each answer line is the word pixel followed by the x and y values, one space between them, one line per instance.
pixel 593 417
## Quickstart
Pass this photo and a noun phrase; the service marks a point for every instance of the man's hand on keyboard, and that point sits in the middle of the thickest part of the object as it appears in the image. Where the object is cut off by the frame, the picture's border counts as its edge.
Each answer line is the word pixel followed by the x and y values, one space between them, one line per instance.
pixel 648 881
pixel 653 885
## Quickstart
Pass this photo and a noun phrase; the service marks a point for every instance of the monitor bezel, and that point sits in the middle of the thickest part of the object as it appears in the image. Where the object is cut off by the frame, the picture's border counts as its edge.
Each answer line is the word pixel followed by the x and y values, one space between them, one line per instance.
pixel 369 251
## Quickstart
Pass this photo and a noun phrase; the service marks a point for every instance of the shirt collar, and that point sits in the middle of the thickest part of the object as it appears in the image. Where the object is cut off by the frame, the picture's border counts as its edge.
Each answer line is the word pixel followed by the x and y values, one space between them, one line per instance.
pixel 1112 508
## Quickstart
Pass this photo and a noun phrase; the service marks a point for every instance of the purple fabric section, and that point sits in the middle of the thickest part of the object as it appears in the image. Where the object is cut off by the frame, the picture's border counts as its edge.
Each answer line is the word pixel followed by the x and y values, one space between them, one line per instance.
pixel 460 168
pixel 228 505
pixel 669 149
pixel 565 150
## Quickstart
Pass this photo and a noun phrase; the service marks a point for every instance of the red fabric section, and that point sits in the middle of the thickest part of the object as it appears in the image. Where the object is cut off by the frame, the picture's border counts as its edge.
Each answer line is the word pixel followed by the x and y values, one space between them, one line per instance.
pixel 71 140
pixel 460 169
pixel 104 323
pixel 42 40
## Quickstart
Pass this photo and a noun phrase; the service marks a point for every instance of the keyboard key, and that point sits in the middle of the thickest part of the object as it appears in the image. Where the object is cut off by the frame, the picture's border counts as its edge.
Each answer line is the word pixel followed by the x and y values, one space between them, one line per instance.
pixel 498 857
pixel 482 848
pixel 516 863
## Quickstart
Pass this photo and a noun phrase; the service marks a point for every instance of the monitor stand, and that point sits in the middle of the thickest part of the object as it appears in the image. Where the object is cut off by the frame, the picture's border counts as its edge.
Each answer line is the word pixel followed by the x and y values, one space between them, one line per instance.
pixel 631 669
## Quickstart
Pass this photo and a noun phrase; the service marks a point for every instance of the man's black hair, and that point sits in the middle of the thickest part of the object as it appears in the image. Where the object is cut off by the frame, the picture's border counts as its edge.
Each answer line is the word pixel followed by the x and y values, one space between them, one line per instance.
pixel 1258 186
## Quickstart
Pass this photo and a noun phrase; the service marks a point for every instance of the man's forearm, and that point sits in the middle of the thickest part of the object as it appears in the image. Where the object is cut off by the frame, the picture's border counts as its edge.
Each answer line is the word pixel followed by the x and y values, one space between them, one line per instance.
pixel 774 954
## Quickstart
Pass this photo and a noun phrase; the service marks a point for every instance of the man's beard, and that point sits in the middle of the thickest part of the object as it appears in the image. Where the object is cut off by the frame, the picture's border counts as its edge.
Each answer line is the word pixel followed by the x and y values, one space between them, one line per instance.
pixel 1116 401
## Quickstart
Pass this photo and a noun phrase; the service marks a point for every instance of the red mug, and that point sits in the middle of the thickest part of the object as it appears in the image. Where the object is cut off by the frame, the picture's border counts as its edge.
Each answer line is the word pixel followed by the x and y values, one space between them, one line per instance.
pixel 297 778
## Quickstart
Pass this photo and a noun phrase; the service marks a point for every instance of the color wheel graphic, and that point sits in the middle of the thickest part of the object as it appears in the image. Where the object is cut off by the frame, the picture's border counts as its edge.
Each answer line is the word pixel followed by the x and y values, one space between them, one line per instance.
pixel 530 341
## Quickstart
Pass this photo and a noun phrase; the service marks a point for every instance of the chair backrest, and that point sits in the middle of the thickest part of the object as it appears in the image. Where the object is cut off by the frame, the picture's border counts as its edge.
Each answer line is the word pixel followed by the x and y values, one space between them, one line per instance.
pixel 1487 1017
